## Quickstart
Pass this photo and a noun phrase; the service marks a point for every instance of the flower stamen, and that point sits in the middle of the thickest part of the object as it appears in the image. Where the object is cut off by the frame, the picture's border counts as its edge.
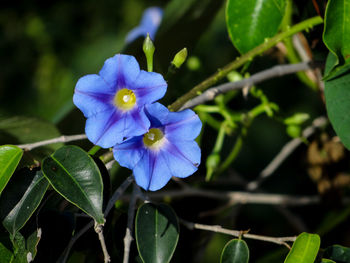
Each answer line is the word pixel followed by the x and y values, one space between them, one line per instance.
pixel 125 99
pixel 154 138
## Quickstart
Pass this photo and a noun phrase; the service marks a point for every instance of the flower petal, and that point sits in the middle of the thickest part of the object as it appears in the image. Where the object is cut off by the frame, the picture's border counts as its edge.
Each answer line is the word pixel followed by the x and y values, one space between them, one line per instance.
pixel 182 157
pixel 183 125
pixel 150 20
pixel 135 123
pixel 149 87
pixel 157 114
pixel 134 34
pixel 129 152
pixel 105 128
pixel 92 95
pixel 151 172
pixel 120 71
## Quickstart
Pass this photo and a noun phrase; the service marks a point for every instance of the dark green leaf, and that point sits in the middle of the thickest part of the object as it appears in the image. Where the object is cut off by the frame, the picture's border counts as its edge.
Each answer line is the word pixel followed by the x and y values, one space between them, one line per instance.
pixel 19 246
pixel 22 130
pixel 33 241
pixel 336 33
pixel 10 156
pixel 5 249
pixel 74 174
pixel 304 249
pixel 157 233
pixel 337 93
pixel 338 253
pixel 250 22
pixel 26 206
pixel 235 251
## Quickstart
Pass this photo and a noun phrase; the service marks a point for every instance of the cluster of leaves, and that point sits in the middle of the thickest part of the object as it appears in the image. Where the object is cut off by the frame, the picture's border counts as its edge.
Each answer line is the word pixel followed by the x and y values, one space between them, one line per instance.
pixel 40 182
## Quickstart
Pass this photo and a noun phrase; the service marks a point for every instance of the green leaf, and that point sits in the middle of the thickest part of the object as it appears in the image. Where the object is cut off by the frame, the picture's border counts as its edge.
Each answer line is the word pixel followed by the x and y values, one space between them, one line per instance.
pixel 235 251
pixel 33 241
pixel 26 206
pixel 338 253
pixel 250 22
pixel 74 174
pixel 20 251
pixel 6 254
pixel 157 233
pixel 10 156
pixel 336 35
pixel 325 260
pixel 337 94
pixel 22 130
pixel 304 249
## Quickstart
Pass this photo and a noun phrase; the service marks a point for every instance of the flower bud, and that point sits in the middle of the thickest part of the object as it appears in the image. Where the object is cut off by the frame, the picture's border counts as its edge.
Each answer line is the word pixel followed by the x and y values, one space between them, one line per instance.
pixel 148 49
pixel 212 163
pixel 180 58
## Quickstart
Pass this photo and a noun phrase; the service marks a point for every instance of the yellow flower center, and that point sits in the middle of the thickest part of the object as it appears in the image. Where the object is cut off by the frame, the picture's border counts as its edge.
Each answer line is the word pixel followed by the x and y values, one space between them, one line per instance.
pixel 125 99
pixel 153 138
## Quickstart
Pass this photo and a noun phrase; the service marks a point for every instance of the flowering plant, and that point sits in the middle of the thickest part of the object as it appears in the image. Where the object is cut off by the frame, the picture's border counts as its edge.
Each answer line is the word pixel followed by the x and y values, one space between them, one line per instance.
pixel 176 135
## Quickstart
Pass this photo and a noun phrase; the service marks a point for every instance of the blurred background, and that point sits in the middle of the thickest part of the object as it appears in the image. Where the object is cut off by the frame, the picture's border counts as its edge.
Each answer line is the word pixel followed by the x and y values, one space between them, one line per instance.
pixel 46 46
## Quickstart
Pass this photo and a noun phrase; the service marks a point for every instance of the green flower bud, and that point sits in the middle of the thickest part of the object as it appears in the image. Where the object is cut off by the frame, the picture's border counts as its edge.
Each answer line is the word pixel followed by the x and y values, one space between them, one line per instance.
pixel 212 163
pixel 294 131
pixel 297 119
pixel 180 58
pixel 148 49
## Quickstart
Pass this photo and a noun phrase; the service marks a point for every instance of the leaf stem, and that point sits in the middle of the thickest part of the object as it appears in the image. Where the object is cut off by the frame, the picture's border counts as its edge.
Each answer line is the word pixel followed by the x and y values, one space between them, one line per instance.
pixel 306 24
pixel 94 150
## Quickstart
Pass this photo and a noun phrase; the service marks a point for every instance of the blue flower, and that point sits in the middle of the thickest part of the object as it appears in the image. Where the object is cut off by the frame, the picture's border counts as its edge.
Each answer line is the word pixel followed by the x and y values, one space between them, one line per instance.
pixel 167 149
pixel 113 101
pixel 150 22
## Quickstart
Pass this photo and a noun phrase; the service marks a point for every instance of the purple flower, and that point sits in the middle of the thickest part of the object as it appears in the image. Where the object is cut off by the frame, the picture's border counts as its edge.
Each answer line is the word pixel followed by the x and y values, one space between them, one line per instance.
pixel 150 22
pixel 113 101
pixel 167 149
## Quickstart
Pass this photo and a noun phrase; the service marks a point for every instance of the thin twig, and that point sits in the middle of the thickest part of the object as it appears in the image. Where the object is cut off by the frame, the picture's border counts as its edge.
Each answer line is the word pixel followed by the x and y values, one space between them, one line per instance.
pixel 128 233
pixel 237 233
pixel 237 197
pixel 286 151
pixel 99 231
pixel 276 71
pixel 62 139
pixel 117 194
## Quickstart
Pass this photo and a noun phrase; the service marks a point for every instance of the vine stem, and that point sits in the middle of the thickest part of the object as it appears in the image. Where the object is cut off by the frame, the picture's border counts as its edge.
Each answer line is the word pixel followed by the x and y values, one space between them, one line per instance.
pixel 63 139
pixel 306 24
pixel 99 231
pixel 237 233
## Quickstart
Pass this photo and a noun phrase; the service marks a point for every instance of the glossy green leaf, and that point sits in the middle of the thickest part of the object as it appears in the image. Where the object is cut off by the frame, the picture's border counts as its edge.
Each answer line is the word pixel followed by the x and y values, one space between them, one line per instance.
pixel 304 249
pixel 337 94
pixel 5 249
pixel 74 174
pixel 338 253
pixel 23 130
pixel 32 243
pixel 157 233
pixel 250 22
pixel 235 251
pixel 10 156
pixel 26 206
pixel 336 35
pixel 19 247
